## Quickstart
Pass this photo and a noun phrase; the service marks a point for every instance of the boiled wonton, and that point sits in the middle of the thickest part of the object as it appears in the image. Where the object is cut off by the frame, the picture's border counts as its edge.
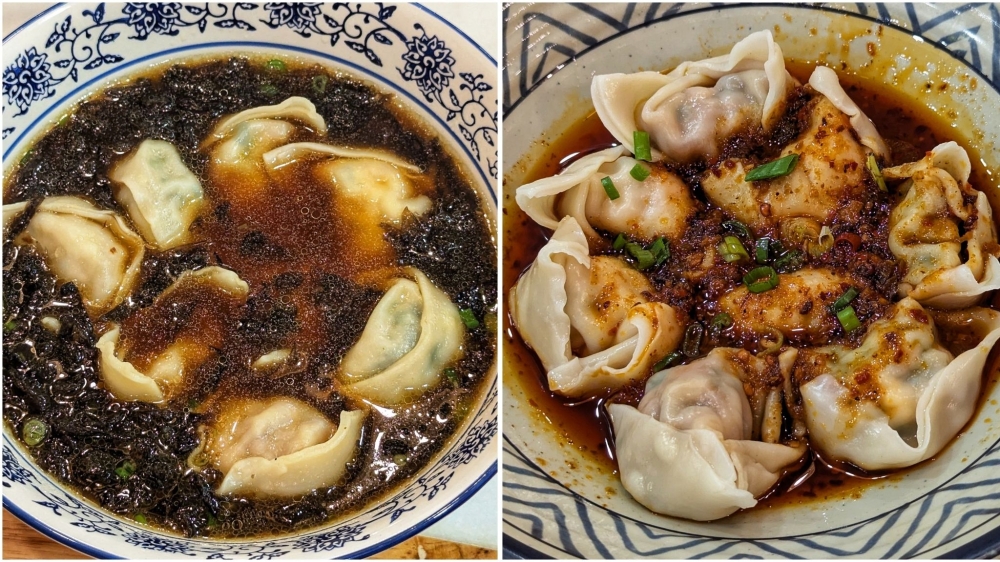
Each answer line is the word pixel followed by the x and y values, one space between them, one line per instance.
pixel 590 319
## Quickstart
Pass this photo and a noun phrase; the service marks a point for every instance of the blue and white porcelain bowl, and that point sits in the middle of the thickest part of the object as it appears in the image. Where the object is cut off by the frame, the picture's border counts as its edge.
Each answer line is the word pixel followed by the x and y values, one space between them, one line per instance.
pixel 68 52
pixel 556 501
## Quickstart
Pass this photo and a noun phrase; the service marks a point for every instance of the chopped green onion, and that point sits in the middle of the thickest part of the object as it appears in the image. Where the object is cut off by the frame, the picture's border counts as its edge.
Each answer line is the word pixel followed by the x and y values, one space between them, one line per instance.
pixel 876 173
pixel 319 83
pixel 642 149
pixel 9 326
pixel 212 521
pixel 845 299
pixel 732 249
pixel 722 320
pixel 452 376
pixel 276 64
pixel 774 169
pixel 660 250
pixel 848 319
pixel 643 256
pixel 737 228
pixel 620 242
pixel 771 341
pixel 269 89
pixel 639 172
pixel 491 322
pixel 692 340
pixel 761 251
pixel 34 431
pixel 761 279
pixel 125 469
pixel 63 120
pixel 609 188
pixel 790 261
pixel 27 155
pixel 399 458
pixel 140 518
pixel 668 361
pixel 469 318
pixel 192 404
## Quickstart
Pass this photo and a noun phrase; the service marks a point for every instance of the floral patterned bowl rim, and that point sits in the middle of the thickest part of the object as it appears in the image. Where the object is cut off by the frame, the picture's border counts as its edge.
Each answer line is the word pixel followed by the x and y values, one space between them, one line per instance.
pixel 67 51
pixel 560 503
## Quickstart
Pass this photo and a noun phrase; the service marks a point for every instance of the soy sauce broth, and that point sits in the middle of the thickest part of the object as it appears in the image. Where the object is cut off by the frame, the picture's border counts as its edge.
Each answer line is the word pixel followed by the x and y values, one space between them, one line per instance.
pixel 585 424
pixel 312 282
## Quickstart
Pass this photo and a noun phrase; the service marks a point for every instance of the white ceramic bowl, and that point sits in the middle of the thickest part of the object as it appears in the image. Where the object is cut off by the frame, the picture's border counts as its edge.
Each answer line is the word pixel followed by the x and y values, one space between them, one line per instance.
pixel 70 51
pixel 557 502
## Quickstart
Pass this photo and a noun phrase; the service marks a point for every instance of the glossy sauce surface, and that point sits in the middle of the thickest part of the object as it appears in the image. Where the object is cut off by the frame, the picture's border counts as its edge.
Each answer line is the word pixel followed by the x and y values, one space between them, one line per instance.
pixel 585 424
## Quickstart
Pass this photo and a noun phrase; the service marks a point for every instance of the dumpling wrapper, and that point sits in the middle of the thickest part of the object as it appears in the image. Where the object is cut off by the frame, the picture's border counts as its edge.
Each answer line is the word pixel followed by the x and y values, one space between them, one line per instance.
pixel 924 397
pixel 686 451
pixel 160 194
pixel 283 448
pixel 414 332
pixel 171 366
pixel 553 308
pixel 924 231
pixel 295 108
pixel 657 206
pixel 825 81
pixel 830 169
pixel 90 247
pixel 691 110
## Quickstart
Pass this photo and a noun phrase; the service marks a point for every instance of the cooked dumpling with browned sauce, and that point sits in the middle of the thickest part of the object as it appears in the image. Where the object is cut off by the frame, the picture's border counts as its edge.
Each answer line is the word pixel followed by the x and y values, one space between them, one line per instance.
pixel 900 397
pixel 590 319
pixel 943 230
pixel 657 206
pixel 90 247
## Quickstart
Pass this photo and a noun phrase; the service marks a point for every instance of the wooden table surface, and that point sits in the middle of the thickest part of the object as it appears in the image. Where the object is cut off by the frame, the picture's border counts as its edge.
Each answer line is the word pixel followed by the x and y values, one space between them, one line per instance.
pixel 22 542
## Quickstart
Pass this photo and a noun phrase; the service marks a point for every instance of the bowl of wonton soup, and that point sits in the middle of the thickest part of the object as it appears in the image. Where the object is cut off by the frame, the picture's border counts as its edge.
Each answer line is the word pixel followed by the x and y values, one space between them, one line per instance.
pixel 562 497
pixel 415 64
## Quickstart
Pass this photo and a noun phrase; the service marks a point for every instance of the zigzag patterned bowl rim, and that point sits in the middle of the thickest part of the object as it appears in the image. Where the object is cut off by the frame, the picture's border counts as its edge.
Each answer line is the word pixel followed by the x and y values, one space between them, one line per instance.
pixel 987 545
pixel 489 398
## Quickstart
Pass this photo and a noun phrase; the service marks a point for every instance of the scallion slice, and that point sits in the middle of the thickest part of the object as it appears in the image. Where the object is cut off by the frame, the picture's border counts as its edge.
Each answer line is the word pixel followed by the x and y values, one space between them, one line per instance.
pixel 692 340
pixel 732 249
pixel 639 172
pixel 737 228
pixel 761 251
pixel 319 83
pixel 276 64
pixel 773 169
pixel 452 375
pixel 721 321
pixel 34 431
pixel 469 318
pixel 620 242
pixel 643 256
pixel 141 519
pixel 845 299
pixel 848 319
pixel 668 361
pixel 9 326
pixel 660 250
pixel 609 188
pixel 875 172
pixel 790 261
pixel 761 279
pixel 125 469
pixel 642 149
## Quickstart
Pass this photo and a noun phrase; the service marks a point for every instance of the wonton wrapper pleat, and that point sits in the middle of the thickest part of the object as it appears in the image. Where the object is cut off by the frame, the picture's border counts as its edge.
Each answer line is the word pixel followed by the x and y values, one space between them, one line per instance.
pixel 686 450
pixel 642 101
pixel 924 231
pixel 630 335
pixel 403 352
pixel 90 247
pixel 825 81
pixel 296 108
pixel 925 396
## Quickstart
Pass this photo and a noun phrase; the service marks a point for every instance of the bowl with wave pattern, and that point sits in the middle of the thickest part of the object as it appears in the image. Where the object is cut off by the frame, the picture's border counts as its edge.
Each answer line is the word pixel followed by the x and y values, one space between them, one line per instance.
pixel 557 501
pixel 69 51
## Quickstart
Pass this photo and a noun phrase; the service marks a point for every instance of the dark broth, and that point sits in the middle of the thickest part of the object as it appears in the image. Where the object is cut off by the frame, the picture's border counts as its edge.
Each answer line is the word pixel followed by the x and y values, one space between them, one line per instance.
pixel 311 289
pixel 585 424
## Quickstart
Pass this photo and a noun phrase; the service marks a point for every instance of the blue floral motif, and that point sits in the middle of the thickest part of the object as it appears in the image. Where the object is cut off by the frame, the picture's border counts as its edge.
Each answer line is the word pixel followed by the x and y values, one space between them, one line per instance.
pixel 153 17
pixel 300 16
pixel 429 63
pixel 476 442
pixel 158 543
pixel 12 471
pixel 332 540
pixel 28 80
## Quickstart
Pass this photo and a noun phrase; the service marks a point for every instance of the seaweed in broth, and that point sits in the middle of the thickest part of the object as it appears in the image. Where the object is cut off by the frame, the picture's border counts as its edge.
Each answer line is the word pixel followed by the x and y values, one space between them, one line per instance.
pixel 909 128
pixel 131 457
